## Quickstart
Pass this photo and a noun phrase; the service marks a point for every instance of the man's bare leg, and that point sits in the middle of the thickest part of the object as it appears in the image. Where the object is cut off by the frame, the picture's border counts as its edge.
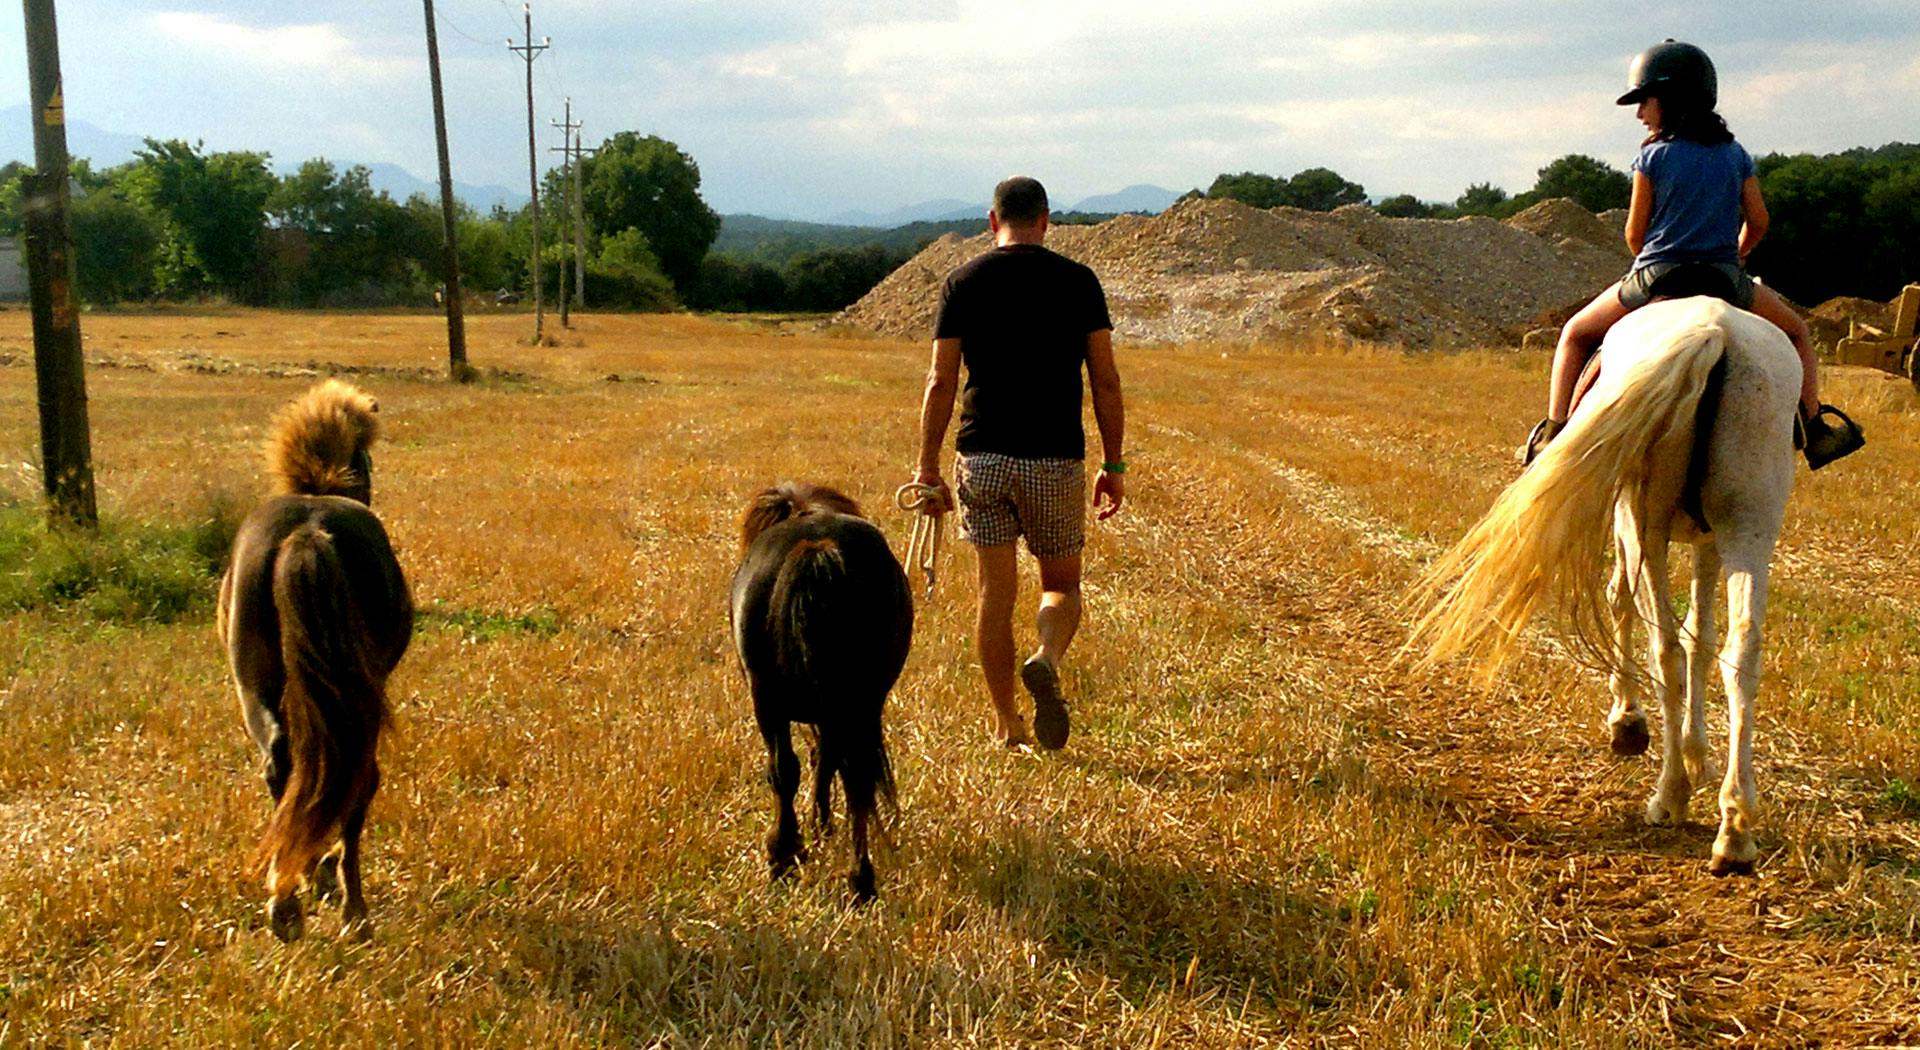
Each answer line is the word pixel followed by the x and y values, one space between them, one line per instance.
pixel 999 585
pixel 1058 618
pixel 1059 615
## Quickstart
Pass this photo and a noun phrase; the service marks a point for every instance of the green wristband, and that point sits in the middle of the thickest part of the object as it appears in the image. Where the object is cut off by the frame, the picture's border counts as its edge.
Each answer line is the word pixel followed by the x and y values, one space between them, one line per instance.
pixel 1114 468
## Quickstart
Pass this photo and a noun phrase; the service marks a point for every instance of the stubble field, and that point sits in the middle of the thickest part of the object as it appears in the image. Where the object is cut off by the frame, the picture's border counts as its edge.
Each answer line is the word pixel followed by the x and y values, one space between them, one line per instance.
pixel 1262 833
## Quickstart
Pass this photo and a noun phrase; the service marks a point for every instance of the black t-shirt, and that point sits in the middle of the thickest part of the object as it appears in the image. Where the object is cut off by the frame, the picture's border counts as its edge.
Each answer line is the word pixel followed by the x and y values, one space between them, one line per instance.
pixel 1022 314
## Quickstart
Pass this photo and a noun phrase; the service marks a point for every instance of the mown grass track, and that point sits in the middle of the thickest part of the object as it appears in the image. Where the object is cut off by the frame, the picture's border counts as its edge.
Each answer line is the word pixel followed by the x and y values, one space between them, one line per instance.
pixel 1262 833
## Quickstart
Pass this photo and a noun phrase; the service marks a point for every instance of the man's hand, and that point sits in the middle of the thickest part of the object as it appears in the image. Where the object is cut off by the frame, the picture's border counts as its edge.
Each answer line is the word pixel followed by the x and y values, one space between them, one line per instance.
pixel 931 478
pixel 1114 488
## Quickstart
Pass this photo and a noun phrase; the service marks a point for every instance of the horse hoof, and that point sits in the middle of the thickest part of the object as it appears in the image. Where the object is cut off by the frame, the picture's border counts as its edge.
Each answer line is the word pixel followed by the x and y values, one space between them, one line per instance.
pixel 1720 867
pixel 1661 813
pixel 326 878
pixel 861 883
pixel 285 919
pixel 1630 738
pixel 357 930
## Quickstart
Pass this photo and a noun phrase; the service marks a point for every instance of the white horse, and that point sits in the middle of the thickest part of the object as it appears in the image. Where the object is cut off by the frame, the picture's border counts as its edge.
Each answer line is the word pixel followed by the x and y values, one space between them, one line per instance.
pixel 1617 479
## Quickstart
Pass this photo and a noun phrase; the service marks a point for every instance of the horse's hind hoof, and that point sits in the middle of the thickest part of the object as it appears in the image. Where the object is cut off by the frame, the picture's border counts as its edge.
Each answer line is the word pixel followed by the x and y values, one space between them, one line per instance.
pixel 357 930
pixel 1721 867
pixel 1630 737
pixel 285 919
pixel 861 883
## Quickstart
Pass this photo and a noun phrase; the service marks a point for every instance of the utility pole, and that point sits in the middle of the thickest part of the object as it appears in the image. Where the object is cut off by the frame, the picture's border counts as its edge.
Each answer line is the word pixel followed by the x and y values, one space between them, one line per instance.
pixel 579 228
pixel 59 369
pixel 531 51
pixel 457 368
pixel 565 149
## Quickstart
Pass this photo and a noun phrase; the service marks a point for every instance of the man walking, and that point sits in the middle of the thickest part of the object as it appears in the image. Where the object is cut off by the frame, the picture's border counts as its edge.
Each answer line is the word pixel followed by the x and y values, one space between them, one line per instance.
pixel 1024 320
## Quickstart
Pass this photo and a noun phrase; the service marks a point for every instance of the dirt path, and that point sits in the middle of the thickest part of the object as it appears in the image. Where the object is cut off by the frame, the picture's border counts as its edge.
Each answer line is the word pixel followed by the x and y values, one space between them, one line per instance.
pixel 1794 957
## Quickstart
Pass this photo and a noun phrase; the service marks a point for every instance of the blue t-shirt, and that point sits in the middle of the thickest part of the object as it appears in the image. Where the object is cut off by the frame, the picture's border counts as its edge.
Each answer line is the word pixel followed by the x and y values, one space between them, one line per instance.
pixel 1696 201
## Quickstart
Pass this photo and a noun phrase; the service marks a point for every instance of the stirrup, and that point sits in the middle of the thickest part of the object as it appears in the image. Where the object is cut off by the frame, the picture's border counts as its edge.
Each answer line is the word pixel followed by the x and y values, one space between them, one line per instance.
pixel 1543 433
pixel 1825 442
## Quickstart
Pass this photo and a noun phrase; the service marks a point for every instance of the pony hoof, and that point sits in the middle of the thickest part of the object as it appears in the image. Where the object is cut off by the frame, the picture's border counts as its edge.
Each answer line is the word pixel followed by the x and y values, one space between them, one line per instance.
pixel 357 930
pixel 1630 738
pixel 779 868
pixel 1720 867
pixel 285 919
pixel 326 878
pixel 861 883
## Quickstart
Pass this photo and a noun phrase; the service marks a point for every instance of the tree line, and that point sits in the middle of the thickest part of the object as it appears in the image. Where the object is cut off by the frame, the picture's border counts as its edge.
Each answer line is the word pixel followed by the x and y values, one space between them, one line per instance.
pixel 1841 224
pixel 179 222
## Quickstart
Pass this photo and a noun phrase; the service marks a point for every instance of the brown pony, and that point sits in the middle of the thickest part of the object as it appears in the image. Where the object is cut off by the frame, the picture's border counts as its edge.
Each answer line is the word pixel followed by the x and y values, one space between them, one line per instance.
pixel 822 619
pixel 314 614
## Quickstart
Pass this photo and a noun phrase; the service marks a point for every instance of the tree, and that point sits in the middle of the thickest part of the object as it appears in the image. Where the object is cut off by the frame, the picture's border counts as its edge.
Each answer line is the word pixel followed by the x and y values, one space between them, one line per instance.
pixel 646 183
pixel 212 209
pixel 116 244
pixel 1481 198
pixel 1404 206
pixel 1318 189
pixel 1592 184
pixel 1251 188
pixel 626 272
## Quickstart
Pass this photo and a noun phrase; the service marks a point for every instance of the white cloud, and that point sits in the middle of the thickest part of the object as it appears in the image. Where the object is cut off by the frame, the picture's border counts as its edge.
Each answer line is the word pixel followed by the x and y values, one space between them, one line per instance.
pixel 318 47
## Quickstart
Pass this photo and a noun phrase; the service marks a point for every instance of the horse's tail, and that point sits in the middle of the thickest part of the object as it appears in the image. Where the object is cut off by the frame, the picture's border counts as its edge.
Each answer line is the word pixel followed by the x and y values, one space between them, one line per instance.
pixel 820 652
pixel 320 441
pixel 1546 538
pixel 333 704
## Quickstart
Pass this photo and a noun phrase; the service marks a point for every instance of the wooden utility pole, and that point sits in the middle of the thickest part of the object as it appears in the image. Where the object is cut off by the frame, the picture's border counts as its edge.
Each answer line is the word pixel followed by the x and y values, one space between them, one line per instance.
pixel 457 368
pixel 579 228
pixel 531 51
pixel 59 369
pixel 565 149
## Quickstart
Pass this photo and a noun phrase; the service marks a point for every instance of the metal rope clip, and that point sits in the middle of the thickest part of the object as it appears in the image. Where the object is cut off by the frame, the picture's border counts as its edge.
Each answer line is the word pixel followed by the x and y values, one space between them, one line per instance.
pixel 923 548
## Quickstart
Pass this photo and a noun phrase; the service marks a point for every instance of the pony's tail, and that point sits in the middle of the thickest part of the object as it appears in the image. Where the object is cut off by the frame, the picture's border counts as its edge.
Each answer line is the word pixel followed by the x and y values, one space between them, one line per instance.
pixel 320 440
pixel 333 706
pixel 805 646
pixel 1545 540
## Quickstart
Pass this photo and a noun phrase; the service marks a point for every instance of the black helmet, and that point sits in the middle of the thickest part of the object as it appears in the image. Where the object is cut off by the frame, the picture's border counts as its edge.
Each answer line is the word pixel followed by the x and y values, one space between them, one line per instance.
pixel 1668 69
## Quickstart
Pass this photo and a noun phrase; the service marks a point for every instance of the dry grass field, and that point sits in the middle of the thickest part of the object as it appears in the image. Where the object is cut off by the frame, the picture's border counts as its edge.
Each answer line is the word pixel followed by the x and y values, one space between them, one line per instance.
pixel 1262 833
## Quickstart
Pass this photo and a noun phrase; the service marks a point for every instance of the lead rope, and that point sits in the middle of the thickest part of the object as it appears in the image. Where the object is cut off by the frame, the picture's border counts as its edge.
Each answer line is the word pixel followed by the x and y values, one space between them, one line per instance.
pixel 923 548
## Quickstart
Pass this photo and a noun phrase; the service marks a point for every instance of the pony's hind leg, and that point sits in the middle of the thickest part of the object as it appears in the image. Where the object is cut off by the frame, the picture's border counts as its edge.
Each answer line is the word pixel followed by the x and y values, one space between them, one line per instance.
pixel 1701 641
pixel 354 924
pixel 1666 662
pixel 1626 721
pixel 783 776
pixel 863 770
pixel 1734 850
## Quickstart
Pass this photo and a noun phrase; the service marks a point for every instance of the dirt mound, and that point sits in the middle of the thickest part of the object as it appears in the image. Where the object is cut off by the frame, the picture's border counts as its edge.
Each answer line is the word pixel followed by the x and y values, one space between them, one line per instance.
pixel 1830 320
pixel 1220 270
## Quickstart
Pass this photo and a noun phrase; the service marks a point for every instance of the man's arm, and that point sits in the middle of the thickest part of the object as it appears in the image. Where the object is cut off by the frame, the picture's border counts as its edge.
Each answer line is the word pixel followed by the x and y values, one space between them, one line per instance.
pixel 936 409
pixel 1110 415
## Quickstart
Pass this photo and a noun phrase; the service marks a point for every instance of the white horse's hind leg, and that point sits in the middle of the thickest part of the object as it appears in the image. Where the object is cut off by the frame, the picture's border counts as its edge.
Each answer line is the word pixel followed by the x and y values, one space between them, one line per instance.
pixel 1626 720
pixel 1667 663
pixel 1700 642
pixel 1746 559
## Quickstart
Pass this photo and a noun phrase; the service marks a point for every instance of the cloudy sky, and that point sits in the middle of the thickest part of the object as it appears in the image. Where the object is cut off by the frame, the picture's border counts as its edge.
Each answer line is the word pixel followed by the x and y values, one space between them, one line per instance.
pixel 811 107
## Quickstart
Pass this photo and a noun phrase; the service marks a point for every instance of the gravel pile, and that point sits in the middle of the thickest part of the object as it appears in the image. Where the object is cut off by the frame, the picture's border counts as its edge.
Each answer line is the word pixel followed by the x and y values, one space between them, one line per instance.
pixel 1209 270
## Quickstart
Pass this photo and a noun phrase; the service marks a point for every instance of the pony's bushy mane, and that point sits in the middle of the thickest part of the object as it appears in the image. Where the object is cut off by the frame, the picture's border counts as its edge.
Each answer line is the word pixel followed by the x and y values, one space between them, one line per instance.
pixel 317 438
pixel 790 499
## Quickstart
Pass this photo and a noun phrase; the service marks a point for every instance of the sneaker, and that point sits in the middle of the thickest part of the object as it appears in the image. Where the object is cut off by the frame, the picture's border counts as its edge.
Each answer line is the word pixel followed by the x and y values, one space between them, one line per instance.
pixel 1826 442
pixel 1543 433
pixel 1050 723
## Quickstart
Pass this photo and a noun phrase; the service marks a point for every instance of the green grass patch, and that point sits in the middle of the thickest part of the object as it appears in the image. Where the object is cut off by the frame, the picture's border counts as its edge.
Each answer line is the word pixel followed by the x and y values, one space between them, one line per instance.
pixel 484 625
pixel 129 571
pixel 1903 797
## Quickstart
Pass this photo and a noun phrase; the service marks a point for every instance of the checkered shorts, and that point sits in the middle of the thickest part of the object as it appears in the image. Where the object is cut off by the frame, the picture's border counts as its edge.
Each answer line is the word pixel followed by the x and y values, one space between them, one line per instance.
pixel 1005 497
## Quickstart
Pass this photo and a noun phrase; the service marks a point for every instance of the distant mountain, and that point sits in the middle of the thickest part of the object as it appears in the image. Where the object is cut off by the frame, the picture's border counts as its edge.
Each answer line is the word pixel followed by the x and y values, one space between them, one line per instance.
pixel 401 184
pixel 779 241
pixel 1151 200
pixel 102 148
pixel 945 209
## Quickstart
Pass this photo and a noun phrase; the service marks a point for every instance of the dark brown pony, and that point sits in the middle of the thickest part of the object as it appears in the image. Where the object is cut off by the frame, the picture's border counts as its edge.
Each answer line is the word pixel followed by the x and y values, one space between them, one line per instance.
pixel 822 619
pixel 314 614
